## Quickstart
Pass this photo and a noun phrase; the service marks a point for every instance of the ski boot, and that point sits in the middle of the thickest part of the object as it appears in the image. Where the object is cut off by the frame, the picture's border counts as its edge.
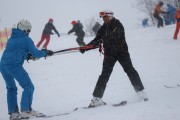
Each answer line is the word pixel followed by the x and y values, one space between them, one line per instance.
pixel 142 95
pixel 29 114
pixel 14 116
pixel 96 102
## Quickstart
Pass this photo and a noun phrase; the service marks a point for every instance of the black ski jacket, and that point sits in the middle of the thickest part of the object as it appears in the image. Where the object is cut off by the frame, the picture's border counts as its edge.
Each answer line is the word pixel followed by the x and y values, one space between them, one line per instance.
pixel 112 36
pixel 77 28
pixel 48 29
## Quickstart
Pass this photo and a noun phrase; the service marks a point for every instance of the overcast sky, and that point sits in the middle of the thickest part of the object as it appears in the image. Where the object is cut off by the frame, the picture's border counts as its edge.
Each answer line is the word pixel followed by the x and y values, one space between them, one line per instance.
pixel 64 11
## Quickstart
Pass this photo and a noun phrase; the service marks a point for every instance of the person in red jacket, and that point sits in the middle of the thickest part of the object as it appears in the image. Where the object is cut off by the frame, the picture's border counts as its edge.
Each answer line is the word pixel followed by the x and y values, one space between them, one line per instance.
pixel 46 34
pixel 177 16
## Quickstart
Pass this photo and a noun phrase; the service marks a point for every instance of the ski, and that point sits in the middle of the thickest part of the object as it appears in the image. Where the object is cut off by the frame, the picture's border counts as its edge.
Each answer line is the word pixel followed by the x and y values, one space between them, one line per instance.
pixel 175 86
pixel 41 115
pixel 122 103
pixel 56 115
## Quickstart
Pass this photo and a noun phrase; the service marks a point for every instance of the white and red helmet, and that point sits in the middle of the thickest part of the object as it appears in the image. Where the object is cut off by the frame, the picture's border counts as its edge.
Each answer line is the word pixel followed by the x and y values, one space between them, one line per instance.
pixel 24 25
pixel 106 13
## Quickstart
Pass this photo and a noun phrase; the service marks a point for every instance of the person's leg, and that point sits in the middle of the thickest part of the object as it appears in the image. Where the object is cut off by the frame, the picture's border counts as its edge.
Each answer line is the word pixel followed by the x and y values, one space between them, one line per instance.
pixel 11 91
pixel 80 40
pixel 157 18
pixel 176 31
pixel 40 42
pixel 47 41
pixel 161 22
pixel 133 75
pixel 107 69
pixel 25 82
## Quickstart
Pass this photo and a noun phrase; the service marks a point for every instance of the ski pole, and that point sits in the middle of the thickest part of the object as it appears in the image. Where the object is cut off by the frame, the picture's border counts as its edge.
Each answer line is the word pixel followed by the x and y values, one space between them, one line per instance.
pixel 75 48
pixel 67 52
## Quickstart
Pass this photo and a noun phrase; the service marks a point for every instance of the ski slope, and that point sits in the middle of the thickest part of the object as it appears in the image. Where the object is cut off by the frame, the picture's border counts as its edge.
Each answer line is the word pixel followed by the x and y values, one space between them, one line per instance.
pixel 64 82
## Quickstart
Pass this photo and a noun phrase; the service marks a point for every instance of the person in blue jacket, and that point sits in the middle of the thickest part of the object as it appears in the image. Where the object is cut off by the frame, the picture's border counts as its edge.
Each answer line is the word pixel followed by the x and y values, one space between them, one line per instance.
pixel 20 47
pixel 0 66
pixel 172 11
pixel 145 22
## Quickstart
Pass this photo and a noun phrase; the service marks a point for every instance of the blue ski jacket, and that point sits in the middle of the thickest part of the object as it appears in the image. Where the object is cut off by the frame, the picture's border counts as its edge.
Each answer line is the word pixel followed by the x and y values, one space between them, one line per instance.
pixel 17 48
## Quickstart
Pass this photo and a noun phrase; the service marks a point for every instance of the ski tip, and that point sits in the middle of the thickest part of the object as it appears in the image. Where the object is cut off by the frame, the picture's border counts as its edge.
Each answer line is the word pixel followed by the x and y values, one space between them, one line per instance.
pixel 122 103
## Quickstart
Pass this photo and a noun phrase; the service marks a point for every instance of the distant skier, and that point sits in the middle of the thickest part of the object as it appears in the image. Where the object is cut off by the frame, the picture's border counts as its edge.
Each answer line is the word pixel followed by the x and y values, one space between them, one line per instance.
pixel 157 11
pixel 112 35
pixel 77 28
pixel 19 48
pixel 145 22
pixel 96 27
pixel 46 34
pixel 177 24
pixel 78 21
pixel 172 12
pixel 0 66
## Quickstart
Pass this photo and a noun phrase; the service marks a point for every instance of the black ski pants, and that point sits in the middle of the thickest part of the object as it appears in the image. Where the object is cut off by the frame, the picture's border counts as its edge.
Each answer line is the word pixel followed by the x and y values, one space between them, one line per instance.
pixel 160 21
pixel 108 64
pixel 80 40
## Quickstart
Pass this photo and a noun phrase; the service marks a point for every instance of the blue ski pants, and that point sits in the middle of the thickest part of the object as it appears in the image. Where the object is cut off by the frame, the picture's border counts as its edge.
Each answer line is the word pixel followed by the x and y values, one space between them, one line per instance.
pixel 10 73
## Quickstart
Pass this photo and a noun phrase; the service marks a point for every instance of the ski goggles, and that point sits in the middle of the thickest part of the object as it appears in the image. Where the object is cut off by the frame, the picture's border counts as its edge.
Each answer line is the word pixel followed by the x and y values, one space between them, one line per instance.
pixel 104 14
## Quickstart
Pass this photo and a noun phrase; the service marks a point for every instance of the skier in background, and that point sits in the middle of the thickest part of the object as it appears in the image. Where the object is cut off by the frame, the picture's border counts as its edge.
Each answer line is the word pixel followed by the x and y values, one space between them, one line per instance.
pixel 78 21
pixel 157 11
pixel 112 36
pixel 77 28
pixel 46 34
pixel 172 12
pixel 177 24
pixel 19 48
pixel 96 27
pixel 145 22
pixel 0 66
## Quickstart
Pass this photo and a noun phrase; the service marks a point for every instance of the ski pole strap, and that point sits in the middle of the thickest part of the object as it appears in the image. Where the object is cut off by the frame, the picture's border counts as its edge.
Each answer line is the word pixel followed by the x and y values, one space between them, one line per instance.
pixel 75 48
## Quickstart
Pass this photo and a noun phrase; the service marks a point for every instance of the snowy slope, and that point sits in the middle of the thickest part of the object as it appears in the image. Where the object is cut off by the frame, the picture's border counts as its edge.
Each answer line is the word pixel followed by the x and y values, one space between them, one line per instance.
pixel 64 82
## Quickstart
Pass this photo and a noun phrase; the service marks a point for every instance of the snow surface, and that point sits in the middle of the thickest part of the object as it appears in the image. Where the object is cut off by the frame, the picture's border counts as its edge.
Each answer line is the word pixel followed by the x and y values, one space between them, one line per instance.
pixel 64 82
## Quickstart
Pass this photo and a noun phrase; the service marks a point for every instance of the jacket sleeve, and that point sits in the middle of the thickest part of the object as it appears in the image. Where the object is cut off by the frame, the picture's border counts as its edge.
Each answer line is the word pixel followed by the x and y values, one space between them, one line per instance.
pixel 54 28
pixel 72 30
pixel 33 50
pixel 97 39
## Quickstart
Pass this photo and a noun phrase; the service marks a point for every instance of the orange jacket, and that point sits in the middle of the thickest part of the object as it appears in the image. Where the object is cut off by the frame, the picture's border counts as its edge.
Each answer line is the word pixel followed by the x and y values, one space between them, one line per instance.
pixel 177 16
pixel 157 10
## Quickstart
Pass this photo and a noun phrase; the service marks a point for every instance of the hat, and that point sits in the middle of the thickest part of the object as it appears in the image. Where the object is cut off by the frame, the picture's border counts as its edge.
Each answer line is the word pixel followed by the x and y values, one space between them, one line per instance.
pixel 50 20
pixel 73 22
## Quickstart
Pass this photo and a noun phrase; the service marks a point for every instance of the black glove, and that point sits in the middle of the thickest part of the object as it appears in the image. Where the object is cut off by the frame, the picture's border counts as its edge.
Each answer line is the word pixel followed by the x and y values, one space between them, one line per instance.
pixel 29 57
pixel 58 35
pixel 49 52
pixel 82 50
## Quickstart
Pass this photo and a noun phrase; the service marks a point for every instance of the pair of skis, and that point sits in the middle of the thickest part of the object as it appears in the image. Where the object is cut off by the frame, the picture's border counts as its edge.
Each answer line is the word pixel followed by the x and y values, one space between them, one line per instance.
pixel 122 103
